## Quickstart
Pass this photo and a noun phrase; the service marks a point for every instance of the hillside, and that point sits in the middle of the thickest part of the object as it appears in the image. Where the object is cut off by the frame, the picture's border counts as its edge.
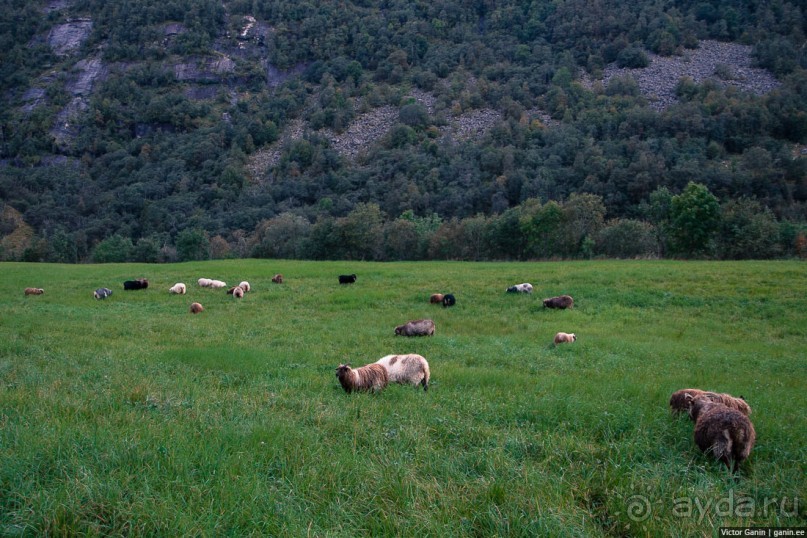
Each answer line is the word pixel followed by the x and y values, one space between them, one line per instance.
pixel 217 124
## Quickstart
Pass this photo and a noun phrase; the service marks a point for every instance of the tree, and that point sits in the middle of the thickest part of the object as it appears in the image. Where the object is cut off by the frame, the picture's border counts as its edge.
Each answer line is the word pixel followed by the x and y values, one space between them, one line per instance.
pixel 747 231
pixel 694 218
pixel 114 249
pixel 627 238
pixel 193 244
pixel 361 232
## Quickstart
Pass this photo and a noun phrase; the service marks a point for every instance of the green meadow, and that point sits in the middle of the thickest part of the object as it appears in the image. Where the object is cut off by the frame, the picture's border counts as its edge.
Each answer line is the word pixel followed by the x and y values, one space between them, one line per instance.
pixel 130 416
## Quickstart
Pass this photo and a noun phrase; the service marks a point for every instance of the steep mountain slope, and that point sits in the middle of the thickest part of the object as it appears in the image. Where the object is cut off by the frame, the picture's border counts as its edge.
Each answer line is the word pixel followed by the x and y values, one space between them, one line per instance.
pixel 145 119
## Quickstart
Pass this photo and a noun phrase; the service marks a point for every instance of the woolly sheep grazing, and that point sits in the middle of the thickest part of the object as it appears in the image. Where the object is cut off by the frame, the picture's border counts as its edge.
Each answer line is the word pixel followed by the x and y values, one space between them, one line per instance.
pixel 218 284
pixel 204 282
pixel 196 308
pixel 238 292
pixel 347 279
pixel 436 298
pixel 418 327
pixel 449 300
pixel 411 369
pixel 526 287
pixel 178 289
pixel 34 291
pixel 563 301
pixel 139 284
pixel 277 279
pixel 245 286
pixel 681 400
pixel 724 432
pixel 372 377
pixel 564 338
pixel 102 293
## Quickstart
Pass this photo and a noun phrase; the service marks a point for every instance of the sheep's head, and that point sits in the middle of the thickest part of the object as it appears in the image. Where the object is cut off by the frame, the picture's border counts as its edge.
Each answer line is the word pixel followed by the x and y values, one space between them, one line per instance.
pixel 574 337
pixel 699 405
pixel 342 369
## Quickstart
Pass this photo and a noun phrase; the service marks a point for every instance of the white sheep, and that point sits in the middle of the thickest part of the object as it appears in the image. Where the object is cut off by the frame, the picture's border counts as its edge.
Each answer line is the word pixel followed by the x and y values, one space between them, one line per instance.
pixel 245 286
pixel 411 369
pixel 205 282
pixel 238 292
pixel 178 289
pixel 218 284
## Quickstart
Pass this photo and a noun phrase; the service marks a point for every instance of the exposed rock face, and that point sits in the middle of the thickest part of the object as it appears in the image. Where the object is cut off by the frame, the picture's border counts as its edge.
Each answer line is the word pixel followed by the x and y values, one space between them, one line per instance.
pixel 204 70
pixel 68 37
pixel 65 127
pixel 657 82
pixel 87 73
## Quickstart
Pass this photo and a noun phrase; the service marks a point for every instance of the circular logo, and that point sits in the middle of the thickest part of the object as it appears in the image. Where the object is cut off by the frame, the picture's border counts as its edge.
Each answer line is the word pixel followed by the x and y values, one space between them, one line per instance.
pixel 639 508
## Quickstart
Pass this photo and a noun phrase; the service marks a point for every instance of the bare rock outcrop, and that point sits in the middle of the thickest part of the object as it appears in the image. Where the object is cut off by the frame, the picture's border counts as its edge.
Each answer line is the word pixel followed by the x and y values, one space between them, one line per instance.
pixel 68 37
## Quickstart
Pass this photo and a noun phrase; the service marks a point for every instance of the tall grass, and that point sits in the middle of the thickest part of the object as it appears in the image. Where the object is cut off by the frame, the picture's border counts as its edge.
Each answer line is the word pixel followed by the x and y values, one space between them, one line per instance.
pixel 131 416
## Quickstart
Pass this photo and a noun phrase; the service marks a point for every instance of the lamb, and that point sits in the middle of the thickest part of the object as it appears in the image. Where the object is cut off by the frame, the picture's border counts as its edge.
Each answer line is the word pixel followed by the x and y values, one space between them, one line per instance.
pixel 418 327
pixel 681 400
pixel 562 338
pixel 277 279
pixel 436 298
pixel 562 301
pixel 526 287
pixel 34 291
pixel 238 292
pixel 245 286
pixel 102 293
pixel 724 432
pixel 196 308
pixel 411 369
pixel 372 377
pixel 177 289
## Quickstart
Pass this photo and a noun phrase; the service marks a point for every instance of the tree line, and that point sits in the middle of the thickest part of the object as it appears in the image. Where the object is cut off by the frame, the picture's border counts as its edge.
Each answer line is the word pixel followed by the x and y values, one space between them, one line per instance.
pixel 691 224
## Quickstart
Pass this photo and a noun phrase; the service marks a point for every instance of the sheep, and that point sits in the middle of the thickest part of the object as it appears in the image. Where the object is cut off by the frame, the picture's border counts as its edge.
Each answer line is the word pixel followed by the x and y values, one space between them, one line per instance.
pixel 231 290
pixel 178 289
pixel 562 338
pixel 245 286
pixel 277 279
pixel 681 400
pixel 724 432
pixel 204 282
pixel 563 301
pixel 139 284
pixel 436 298
pixel 238 292
pixel 411 369
pixel 347 279
pixel 419 327
pixel 102 293
pixel 34 291
pixel 449 300
pixel 218 284
pixel 520 288
pixel 372 377
pixel 196 308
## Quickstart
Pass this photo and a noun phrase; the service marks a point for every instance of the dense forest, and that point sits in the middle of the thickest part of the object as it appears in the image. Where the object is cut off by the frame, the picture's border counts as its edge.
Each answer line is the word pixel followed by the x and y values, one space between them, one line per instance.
pixel 168 130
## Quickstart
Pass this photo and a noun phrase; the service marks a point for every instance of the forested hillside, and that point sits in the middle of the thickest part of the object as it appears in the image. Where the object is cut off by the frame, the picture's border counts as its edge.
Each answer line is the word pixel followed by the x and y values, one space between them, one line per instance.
pixel 167 130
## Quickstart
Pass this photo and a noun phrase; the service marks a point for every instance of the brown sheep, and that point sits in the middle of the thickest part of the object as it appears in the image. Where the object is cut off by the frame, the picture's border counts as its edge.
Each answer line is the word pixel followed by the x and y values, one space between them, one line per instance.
pixel 196 308
pixel 562 301
pixel 563 338
pixel 277 279
pixel 724 432
pixel 419 327
pixel 34 291
pixel 436 298
pixel 372 377
pixel 681 400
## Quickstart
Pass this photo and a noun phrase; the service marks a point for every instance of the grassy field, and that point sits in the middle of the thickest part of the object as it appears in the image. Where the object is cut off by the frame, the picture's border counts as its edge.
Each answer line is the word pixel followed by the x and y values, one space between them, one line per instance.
pixel 131 416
